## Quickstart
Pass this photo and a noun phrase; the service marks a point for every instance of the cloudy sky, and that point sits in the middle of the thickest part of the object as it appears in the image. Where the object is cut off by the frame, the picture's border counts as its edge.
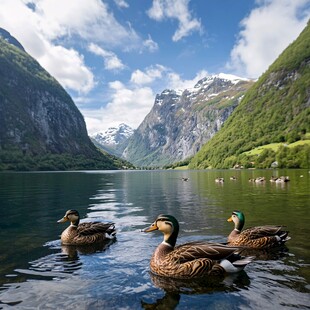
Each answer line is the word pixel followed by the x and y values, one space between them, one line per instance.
pixel 114 56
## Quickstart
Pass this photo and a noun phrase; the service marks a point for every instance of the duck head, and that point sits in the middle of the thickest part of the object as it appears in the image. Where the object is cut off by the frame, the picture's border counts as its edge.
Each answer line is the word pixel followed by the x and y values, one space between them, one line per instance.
pixel 238 218
pixel 71 216
pixel 168 225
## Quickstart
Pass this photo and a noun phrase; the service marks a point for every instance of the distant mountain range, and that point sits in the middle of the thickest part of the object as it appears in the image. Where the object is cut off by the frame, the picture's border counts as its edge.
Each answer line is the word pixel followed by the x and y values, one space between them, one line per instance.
pixel 180 122
pixel 223 121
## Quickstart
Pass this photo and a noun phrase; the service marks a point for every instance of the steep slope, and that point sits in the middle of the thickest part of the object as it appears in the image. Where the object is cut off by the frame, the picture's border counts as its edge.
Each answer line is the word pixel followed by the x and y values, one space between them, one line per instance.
pixel 180 122
pixel 37 116
pixel 275 109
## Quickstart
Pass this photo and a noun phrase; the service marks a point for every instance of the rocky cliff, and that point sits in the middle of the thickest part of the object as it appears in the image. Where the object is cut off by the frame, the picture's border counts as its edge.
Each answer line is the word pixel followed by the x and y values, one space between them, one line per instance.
pixel 180 122
pixel 37 116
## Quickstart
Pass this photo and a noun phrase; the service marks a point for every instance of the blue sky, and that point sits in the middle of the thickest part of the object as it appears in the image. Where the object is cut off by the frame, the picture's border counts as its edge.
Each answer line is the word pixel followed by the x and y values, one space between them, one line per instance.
pixel 114 56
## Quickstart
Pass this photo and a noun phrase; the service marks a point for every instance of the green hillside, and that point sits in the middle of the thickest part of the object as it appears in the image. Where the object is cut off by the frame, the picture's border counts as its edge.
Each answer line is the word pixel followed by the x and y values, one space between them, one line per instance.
pixel 41 128
pixel 276 109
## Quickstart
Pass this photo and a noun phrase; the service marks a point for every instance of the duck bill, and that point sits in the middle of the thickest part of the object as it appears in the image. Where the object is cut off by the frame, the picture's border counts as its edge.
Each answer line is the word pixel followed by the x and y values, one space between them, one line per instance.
pixel 230 219
pixel 150 228
pixel 63 220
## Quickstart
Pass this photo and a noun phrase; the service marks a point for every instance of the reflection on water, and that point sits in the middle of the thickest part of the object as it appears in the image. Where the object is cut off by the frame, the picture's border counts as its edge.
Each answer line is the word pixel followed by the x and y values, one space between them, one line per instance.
pixel 37 273
pixel 174 288
pixel 201 286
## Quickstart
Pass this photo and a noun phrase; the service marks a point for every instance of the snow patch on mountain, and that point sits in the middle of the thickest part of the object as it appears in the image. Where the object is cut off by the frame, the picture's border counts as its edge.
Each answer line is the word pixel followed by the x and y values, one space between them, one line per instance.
pixel 114 135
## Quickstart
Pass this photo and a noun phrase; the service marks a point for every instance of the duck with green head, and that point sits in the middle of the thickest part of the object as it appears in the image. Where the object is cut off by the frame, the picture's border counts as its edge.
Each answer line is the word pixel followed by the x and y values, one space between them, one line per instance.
pixel 193 259
pixel 85 233
pixel 258 237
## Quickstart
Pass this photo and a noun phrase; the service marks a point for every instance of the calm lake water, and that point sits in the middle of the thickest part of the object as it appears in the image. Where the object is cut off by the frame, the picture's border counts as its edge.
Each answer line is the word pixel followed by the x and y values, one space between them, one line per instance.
pixel 36 272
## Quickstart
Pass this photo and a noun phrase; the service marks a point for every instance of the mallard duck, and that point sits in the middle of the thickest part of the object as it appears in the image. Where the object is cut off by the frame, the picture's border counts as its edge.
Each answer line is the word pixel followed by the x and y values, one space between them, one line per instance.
pixel 193 259
pixel 85 233
pixel 259 237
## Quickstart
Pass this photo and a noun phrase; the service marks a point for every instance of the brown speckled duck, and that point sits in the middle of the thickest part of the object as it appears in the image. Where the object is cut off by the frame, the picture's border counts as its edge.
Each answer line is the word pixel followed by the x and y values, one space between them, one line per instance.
pixel 259 237
pixel 85 233
pixel 193 259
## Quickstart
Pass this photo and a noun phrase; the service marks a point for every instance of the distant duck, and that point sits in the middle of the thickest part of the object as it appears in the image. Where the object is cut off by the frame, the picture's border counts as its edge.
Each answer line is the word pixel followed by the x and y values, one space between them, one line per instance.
pixel 273 178
pixel 260 179
pixel 85 233
pixel 219 180
pixel 282 179
pixel 233 178
pixel 193 259
pixel 185 179
pixel 259 237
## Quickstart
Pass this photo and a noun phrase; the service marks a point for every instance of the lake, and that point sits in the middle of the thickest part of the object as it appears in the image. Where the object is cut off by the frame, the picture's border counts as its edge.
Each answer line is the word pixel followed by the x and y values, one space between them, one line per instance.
pixel 36 272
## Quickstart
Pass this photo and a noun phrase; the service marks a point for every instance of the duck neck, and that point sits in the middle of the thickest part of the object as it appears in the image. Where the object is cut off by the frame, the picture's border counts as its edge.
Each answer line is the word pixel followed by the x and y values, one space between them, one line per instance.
pixel 75 223
pixel 238 226
pixel 171 239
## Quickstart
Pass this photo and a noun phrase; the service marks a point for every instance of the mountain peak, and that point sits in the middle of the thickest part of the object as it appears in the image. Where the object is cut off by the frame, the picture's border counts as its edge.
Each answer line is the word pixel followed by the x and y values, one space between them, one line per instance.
pixel 10 39
pixel 114 135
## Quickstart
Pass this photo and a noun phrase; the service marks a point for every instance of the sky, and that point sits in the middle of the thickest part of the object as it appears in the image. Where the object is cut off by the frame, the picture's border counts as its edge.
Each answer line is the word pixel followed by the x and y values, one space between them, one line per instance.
pixel 114 56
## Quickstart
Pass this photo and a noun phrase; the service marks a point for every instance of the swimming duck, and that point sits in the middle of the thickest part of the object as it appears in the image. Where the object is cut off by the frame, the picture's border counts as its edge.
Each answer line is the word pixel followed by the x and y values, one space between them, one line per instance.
pixel 219 180
pixel 85 233
pixel 193 259
pixel 259 237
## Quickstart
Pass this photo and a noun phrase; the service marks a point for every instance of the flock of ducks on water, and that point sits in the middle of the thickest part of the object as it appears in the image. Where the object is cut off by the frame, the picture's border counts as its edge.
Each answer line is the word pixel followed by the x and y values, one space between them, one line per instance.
pixel 189 260
pixel 281 179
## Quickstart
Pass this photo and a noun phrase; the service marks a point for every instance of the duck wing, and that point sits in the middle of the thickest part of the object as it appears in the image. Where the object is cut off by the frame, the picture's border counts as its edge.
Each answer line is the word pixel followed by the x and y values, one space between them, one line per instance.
pixel 262 231
pixel 194 250
pixel 87 229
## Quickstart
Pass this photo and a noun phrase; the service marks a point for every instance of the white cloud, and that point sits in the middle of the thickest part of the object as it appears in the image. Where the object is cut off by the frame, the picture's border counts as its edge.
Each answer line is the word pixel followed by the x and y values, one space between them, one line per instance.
pixel 121 4
pixel 151 73
pixel 90 20
pixel 126 105
pixel 111 61
pixel 178 10
pixel 69 68
pixel 40 26
pixel 151 45
pixel 266 32
pixel 176 82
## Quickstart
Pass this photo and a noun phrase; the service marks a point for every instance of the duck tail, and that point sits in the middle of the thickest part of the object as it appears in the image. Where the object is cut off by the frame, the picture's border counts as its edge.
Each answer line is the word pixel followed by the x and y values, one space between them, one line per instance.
pixel 111 232
pixel 243 261
pixel 236 263
pixel 283 237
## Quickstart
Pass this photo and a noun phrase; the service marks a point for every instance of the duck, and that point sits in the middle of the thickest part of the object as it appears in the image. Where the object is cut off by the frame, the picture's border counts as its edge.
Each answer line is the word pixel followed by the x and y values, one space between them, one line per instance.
pixel 258 237
pixel 85 233
pixel 219 180
pixel 193 259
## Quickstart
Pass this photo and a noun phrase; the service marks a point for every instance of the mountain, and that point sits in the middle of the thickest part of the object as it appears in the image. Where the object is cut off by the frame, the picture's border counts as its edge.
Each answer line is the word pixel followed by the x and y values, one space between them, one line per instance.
pixel 8 38
pixel 180 122
pixel 275 110
pixel 41 128
pixel 114 135
pixel 114 139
